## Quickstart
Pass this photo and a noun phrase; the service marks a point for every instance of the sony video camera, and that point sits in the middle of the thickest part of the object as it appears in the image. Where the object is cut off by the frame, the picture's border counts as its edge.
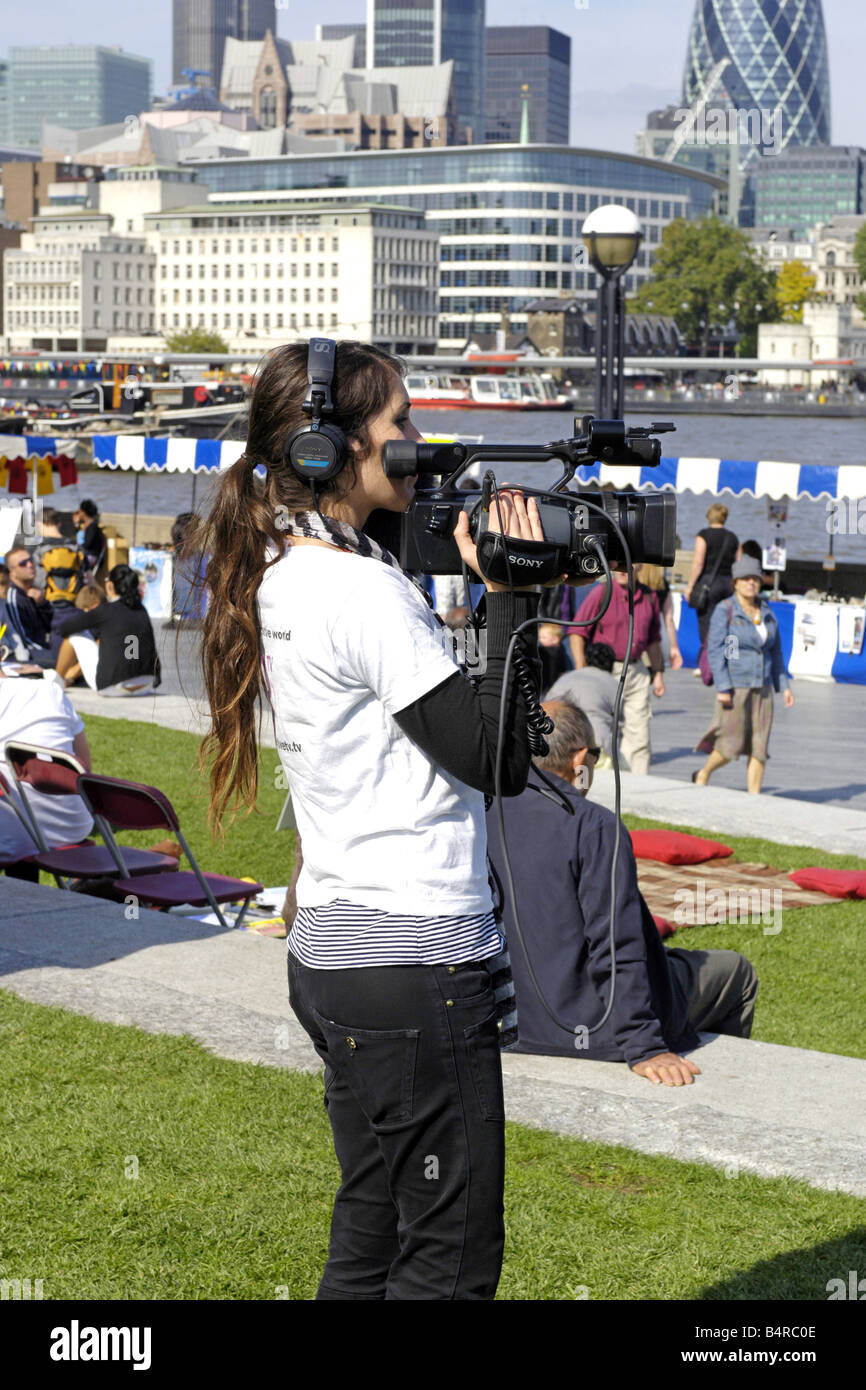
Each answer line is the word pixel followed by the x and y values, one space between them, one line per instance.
pixel 576 524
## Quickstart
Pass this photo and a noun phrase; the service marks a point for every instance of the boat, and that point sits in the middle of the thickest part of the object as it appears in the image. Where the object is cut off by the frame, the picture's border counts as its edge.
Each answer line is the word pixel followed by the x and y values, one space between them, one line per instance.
pixel 447 391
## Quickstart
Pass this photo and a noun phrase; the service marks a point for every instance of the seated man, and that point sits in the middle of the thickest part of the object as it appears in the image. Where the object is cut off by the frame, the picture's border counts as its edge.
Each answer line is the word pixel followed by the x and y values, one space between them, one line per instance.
pixel 28 615
pixel 38 712
pixel 593 689
pixel 562 876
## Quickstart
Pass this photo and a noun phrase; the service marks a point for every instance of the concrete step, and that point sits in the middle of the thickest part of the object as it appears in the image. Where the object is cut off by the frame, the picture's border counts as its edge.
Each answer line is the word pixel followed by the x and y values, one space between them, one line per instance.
pixel 757 1107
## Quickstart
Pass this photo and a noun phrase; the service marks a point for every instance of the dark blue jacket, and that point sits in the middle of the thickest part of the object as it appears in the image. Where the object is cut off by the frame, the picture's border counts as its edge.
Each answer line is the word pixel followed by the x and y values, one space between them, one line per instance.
pixel 562 866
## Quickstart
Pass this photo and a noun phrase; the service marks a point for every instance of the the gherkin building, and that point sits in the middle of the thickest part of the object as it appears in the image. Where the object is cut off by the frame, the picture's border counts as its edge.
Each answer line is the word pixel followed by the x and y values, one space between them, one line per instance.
pixel 764 54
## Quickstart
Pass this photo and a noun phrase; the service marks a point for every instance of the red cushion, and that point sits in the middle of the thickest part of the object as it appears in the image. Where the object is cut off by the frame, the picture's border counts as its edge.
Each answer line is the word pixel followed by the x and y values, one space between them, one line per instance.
pixel 673 847
pixel 665 928
pixel 839 883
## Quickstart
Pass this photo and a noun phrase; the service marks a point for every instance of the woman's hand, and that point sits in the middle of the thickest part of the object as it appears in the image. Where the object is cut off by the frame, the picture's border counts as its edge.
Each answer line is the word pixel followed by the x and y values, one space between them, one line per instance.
pixel 726 699
pixel 788 699
pixel 676 658
pixel 519 520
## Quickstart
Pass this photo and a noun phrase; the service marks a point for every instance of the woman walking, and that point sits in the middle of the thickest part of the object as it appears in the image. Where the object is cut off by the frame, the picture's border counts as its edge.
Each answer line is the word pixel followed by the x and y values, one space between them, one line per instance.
pixel 395 958
pixel 716 549
pixel 745 656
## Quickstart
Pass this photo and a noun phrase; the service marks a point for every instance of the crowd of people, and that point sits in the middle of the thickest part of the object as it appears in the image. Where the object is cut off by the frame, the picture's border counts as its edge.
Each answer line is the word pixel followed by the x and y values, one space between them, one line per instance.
pixel 57 620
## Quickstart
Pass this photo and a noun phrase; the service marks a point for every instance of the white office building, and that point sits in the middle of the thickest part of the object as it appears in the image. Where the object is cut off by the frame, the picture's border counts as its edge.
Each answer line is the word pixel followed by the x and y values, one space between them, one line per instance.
pixel 273 273
pixel 73 281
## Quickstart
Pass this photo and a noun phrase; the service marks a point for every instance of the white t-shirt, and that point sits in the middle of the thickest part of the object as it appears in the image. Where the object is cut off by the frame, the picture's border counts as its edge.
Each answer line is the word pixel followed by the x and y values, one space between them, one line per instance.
pixel 38 712
pixel 347 643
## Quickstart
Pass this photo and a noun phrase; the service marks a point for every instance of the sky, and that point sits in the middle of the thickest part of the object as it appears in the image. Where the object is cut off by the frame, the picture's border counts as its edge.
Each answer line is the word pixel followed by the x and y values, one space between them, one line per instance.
pixel 627 56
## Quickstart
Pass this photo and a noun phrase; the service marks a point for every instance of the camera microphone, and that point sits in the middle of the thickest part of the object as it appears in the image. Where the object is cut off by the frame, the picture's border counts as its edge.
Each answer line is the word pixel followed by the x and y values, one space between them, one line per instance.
pixel 404 458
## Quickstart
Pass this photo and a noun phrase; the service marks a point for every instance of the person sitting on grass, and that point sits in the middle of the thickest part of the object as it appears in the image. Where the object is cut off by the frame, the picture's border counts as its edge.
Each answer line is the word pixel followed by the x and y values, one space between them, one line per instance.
pixel 90 597
pixel 28 616
pixel 561 865
pixel 120 658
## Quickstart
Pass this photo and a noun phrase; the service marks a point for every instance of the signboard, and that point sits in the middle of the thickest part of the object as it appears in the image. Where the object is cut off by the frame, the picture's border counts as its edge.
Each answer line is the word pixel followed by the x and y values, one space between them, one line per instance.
pixel 775 552
pixel 851 624
pixel 156 568
pixel 813 648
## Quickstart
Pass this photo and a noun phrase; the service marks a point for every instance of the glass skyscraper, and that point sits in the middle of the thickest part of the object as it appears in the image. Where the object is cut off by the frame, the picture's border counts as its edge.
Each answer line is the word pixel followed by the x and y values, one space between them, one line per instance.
pixel 200 29
pixel 74 85
pixel 540 57
pixel 769 55
pixel 407 33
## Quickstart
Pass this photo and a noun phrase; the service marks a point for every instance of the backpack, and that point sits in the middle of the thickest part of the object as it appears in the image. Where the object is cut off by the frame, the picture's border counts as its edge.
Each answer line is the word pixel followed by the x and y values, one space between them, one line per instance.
pixel 62 566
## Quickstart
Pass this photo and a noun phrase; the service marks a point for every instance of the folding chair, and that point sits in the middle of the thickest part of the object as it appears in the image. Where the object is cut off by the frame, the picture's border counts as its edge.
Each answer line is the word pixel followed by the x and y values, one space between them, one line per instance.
pixel 132 806
pixel 7 799
pixel 55 773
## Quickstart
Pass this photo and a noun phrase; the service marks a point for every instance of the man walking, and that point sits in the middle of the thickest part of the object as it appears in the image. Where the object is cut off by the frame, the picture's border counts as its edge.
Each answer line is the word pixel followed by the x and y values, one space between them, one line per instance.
pixel 612 628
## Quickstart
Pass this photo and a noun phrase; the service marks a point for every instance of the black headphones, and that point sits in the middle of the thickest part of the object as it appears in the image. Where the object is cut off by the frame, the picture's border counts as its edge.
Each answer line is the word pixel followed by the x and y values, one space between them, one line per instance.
pixel 318 451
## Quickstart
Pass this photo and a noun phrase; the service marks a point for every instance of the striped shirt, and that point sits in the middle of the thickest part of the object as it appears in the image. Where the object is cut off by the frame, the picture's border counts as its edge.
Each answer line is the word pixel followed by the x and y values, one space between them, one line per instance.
pixel 343 935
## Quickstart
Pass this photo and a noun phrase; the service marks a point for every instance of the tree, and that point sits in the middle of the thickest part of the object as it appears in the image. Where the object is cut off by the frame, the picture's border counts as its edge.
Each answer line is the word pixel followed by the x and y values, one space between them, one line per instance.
pixel 794 286
pixel 196 340
pixel 705 274
pixel 860 262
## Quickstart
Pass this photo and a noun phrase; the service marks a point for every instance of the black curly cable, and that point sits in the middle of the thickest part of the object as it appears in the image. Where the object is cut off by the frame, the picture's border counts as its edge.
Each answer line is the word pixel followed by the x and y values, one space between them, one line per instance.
pixel 537 722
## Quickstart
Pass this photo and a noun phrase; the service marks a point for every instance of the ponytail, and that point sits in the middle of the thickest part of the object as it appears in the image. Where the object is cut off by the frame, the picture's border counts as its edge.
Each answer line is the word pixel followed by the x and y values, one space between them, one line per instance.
pixel 126 582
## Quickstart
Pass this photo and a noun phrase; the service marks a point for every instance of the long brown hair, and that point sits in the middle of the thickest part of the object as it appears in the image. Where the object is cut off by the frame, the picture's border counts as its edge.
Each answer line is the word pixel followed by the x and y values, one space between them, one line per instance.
pixel 235 537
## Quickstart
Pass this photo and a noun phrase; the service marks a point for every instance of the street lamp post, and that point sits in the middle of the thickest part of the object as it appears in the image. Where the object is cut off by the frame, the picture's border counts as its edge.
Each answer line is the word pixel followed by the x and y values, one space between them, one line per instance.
pixel 611 235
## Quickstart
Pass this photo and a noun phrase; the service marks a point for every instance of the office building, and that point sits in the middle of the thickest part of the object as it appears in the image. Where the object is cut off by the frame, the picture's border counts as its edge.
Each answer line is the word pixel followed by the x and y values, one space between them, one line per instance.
pixel 311 87
pixel 357 32
pixel 73 281
pixel 508 217
pixel 804 186
pixel 760 55
pixel 72 85
pixel 418 33
pixel 276 271
pixel 200 29
pixel 539 58
pixel 829 333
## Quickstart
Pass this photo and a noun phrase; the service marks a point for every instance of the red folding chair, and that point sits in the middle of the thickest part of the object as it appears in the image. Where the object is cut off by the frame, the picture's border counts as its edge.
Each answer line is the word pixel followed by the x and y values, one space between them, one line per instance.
pixel 55 773
pixel 7 799
pixel 132 806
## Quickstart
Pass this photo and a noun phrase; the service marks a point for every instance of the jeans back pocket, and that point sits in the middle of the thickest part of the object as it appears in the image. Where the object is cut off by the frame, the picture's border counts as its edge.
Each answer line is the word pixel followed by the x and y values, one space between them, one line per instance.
pixel 378 1066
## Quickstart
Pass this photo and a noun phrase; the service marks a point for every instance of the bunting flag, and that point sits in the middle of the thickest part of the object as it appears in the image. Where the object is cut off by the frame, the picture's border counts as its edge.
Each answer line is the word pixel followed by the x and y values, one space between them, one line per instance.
pixel 4 471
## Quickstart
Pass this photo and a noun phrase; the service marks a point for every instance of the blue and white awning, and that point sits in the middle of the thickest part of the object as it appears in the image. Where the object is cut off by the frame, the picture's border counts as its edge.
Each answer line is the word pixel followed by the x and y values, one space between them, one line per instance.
pixel 763 479
pixel 25 446
pixel 794 480
pixel 138 453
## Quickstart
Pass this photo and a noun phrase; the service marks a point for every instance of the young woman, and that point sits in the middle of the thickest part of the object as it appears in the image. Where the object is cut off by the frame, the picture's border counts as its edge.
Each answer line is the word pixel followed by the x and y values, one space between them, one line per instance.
pixel 716 549
pixel 745 655
pixel 119 658
pixel 389 750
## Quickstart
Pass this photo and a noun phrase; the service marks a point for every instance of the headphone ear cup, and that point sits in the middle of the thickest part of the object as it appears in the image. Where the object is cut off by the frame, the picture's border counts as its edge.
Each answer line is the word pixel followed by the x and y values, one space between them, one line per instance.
pixel 317 455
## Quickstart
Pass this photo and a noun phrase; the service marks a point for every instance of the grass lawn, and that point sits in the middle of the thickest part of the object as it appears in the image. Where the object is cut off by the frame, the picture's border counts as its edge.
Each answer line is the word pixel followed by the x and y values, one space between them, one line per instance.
pixel 812 974
pixel 135 1166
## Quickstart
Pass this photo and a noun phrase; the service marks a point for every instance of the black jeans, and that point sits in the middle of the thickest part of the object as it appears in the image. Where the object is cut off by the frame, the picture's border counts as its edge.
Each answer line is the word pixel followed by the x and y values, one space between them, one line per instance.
pixel 413 1091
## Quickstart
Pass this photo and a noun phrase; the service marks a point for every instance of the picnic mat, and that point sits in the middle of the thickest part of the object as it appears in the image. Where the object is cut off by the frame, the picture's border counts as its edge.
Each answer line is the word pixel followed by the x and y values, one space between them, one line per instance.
pixel 720 890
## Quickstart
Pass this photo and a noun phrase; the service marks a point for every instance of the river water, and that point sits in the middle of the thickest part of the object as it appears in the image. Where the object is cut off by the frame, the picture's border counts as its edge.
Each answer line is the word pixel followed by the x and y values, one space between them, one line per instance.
pixel 794 440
